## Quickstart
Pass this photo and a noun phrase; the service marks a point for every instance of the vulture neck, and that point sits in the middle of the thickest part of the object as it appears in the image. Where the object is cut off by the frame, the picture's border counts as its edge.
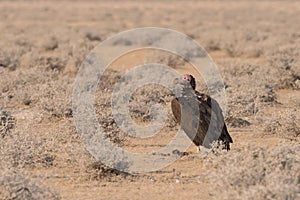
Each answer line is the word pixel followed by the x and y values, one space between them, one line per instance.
pixel 188 92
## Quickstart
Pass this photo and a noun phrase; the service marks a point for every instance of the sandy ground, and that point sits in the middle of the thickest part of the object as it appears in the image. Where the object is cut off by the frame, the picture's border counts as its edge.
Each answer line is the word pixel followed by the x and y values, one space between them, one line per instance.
pixel 256 46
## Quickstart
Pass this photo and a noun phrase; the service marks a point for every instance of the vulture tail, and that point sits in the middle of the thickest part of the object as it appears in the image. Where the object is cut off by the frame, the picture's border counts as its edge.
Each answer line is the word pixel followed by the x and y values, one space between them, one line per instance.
pixel 225 137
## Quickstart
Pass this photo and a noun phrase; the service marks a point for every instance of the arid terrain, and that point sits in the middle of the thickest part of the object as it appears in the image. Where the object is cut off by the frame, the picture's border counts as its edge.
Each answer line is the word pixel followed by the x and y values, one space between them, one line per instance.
pixel 256 46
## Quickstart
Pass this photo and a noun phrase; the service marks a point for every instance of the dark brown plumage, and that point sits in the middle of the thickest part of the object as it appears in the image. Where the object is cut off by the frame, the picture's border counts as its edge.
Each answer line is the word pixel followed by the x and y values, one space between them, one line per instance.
pixel 199 115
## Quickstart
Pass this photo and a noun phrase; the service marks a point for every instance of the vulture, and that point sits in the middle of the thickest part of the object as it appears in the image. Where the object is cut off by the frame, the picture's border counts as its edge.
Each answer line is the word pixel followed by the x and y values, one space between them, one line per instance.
pixel 199 115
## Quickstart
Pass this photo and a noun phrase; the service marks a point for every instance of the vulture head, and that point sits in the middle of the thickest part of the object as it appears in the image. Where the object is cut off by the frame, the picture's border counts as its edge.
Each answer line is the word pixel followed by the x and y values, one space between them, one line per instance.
pixel 186 80
pixel 184 84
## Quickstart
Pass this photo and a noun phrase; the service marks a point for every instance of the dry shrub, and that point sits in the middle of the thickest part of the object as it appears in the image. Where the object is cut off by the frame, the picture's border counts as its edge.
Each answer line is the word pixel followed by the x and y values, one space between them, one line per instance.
pixel 286 61
pixel 103 106
pixel 99 171
pixel 256 173
pixel 237 122
pixel 7 122
pixel 19 187
pixel 8 60
pixel 140 104
pixel 284 124
pixel 146 97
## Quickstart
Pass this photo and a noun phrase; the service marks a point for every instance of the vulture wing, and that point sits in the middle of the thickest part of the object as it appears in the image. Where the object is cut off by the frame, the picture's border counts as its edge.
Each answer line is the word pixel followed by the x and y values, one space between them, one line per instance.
pixel 201 118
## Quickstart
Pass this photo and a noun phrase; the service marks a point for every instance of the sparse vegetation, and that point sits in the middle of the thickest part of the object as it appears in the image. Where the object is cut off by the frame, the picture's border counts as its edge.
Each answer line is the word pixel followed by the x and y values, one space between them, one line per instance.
pixel 7 122
pixel 256 48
